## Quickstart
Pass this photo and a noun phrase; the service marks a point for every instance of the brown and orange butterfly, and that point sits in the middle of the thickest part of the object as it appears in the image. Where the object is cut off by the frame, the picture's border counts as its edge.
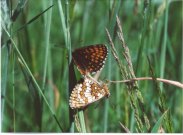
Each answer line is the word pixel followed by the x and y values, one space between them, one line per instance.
pixel 86 92
pixel 90 59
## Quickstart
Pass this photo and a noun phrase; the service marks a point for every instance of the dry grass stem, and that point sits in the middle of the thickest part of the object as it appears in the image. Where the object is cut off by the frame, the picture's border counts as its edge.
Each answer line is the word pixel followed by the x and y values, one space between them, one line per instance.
pixel 175 83
pixel 114 52
pixel 126 52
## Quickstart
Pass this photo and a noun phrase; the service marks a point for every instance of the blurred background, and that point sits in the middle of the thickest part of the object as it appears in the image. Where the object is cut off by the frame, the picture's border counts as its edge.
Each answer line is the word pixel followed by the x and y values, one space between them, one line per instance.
pixel 151 28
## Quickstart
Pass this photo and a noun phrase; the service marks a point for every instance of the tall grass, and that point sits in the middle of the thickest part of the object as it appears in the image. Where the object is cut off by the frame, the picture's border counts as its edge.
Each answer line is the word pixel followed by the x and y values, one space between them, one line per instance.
pixel 37 73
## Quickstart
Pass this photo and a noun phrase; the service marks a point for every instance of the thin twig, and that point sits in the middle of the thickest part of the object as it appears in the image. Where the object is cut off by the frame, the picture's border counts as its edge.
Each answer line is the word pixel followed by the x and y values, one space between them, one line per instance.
pixel 175 83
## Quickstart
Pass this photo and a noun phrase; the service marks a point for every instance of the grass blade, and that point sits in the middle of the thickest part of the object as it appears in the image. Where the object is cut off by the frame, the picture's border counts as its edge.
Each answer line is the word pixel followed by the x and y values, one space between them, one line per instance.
pixel 82 121
pixel 158 123
pixel 164 46
pixel 13 88
pixel 35 94
pixel 21 59
pixel 72 78
pixel 4 73
pixel 33 19
pixel 47 55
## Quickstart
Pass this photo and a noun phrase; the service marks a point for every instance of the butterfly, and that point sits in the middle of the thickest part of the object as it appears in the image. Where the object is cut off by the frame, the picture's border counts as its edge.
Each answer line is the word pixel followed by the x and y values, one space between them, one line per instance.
pixel 86 92
pixel 90 59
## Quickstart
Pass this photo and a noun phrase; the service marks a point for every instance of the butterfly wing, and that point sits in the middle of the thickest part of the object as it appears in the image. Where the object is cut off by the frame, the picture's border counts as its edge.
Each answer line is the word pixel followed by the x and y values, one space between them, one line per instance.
pixel 90 59
pixel 86 93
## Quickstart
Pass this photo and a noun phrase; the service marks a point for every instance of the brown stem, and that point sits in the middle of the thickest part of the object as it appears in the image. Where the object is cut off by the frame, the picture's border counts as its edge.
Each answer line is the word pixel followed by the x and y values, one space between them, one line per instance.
pixel 175 83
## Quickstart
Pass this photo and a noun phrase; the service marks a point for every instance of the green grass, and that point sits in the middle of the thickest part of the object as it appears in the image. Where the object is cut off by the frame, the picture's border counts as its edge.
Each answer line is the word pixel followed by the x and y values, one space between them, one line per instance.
pixel 37 75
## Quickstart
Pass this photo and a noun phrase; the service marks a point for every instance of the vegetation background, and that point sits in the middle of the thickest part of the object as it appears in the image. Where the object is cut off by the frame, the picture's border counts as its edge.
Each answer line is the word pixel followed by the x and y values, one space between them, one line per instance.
pixel 151 28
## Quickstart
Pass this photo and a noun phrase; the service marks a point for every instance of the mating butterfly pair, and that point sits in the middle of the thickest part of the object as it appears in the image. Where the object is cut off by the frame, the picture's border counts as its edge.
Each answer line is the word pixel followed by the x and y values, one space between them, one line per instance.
pixel 88 60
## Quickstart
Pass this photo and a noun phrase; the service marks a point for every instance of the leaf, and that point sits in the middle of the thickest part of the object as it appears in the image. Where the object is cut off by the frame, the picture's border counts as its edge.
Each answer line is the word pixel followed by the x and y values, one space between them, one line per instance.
pixel 158 123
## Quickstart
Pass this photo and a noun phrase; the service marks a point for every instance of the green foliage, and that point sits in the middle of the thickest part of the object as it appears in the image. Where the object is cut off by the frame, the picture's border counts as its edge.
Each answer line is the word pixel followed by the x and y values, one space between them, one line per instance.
pixel 37 41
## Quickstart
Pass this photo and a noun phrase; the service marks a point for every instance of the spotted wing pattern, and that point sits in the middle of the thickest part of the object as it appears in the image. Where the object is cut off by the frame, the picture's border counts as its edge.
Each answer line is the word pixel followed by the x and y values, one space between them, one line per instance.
pixel 87 92
pixel 90 59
